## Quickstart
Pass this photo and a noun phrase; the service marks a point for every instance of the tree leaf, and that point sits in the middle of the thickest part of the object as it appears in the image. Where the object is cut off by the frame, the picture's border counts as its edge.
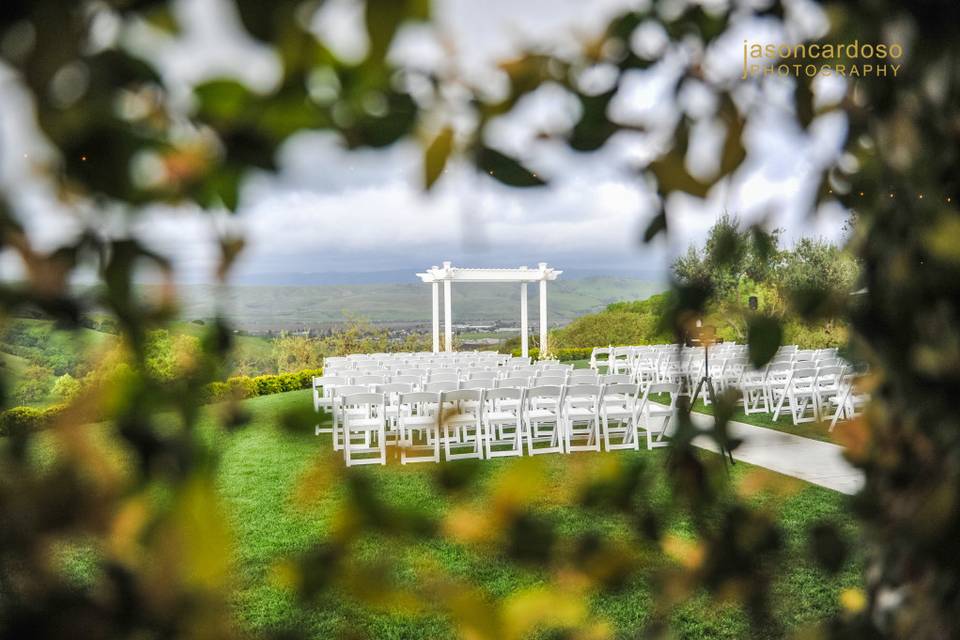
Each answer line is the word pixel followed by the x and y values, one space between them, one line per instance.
pixel 506 170
pixel 764 334
pixel 594 128
pixel 656 226
pixel 733 153
pixel 383 17
pixel 670 169
pixel 435 158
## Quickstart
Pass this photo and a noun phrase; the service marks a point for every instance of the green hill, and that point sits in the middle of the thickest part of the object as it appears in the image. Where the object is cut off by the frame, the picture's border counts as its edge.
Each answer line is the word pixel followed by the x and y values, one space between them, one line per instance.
pixel 287 307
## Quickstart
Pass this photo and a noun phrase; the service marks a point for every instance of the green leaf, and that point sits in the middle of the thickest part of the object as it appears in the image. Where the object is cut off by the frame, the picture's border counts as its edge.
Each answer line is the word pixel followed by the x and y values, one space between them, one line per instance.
pixel 506 170
pixel 383 18
pixel 594 128
pixel 764 335
pixel 670 169
pixel 733 152
pixel 656 226
pixel 435 159
pixel 223 100
pixel 803 100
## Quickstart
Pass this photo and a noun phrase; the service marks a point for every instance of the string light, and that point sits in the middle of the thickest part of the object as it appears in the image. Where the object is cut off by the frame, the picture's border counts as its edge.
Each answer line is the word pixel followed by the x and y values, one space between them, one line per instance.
pixel 920 196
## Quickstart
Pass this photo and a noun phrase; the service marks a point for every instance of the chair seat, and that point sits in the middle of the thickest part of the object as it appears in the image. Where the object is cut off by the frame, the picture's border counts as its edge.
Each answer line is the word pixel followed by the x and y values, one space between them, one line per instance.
pixel 541 414
pixel 577 413
pixel 461 419
pixel 501 416
pixel 418 422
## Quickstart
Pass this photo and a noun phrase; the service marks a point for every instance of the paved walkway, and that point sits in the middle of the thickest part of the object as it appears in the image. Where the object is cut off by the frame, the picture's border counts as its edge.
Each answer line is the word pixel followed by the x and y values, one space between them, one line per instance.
pixel 815 461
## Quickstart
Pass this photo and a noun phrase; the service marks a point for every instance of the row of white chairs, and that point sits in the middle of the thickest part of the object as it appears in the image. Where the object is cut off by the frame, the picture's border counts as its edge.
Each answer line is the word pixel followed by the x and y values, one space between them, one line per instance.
pixel 809 385
pixel 492 421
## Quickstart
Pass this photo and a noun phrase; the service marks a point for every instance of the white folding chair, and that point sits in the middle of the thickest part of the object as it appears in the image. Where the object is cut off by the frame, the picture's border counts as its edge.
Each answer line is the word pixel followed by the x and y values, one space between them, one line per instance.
pixel 657 416
pixel 542 419
pixel 501 420
pixel 419 426
pixel 339 410
pixel 801 396
pixel 323 398
pixel 619 414
pixel 364 419
pixel 581 416
pixel 460 423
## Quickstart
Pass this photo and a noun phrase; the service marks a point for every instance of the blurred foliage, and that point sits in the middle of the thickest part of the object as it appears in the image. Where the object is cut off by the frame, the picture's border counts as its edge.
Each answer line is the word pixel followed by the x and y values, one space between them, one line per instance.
pixel 802 293
pixel 119 141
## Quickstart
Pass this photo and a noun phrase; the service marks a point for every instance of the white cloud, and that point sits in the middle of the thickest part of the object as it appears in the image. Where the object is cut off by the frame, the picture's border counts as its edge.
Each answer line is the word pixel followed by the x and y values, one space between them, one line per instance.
pixel 329 209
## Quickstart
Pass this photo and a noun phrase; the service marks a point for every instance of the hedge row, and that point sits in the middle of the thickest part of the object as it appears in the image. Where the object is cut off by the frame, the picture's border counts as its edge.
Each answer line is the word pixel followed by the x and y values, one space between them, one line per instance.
pixel 24 419
pixel 563 355
pixel 247 387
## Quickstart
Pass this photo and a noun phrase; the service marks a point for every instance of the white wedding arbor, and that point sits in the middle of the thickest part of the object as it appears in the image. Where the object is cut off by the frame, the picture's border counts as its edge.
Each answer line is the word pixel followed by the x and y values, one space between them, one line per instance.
pixel 448 274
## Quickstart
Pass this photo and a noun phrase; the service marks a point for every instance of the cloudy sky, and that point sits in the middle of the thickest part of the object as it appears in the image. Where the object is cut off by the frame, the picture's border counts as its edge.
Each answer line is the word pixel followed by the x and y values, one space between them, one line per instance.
pixel 330 210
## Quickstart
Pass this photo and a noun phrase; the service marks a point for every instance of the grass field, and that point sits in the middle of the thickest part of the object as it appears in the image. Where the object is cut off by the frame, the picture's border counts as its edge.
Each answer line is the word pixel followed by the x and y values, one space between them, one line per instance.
pixel 259 474
pixel 278 510
pixel 815 430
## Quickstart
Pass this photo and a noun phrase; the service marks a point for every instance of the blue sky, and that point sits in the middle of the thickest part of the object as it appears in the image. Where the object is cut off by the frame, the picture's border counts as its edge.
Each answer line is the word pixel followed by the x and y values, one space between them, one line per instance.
pixel 333 210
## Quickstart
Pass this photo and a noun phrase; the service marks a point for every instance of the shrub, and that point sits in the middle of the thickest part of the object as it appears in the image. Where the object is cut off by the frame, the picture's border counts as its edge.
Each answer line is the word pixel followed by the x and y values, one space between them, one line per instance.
pixel 563 354
pixel 66 387
pixel 242 387
pixel 217 391
pixel 267 385
pixel 21 420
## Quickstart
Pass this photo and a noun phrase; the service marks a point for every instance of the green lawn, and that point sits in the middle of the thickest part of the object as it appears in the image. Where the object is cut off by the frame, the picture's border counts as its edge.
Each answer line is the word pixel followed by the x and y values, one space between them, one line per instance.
pixel 815 430
pixel 260 469
pixel 281 508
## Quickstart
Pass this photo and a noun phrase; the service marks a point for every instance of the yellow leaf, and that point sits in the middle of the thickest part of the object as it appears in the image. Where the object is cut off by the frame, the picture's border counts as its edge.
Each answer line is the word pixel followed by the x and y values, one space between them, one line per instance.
pixel 542 607
pixel 853 600
pixel 435 159
pixel 205 541
pixel 688 553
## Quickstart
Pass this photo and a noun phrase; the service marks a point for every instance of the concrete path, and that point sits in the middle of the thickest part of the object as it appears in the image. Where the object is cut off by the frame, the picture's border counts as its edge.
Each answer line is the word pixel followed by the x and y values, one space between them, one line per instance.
pixel 817 462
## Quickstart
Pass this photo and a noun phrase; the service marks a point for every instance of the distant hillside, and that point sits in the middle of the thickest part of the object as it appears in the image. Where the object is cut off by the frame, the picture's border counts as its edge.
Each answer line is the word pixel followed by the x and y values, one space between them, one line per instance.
pixel 260 308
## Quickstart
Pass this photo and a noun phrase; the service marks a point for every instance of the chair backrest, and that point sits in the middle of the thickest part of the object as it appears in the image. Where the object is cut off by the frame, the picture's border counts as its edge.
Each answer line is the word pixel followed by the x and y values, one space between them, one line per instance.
pixel 513 382
pixel 503 393
pixel 544 381
pixel 349 389
pixel 370 379
pixel 482 375
pixel 663 387
pixel 408 379
pixel 418 397
pixel 395 387
pixel 828 375
pixel 330 381
pixel 443 376
pixel 462 395
pixel 803 377
pixel 588 375
pixel 441 385
pixel 477 384
pixel 584 391
pixel 615 378
pixel 361 399
pixel 627 389
pixel 544 391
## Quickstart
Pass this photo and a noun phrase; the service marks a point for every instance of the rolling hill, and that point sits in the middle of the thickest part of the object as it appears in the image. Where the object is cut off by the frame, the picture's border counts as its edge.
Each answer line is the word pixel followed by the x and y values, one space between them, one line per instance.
pixel 261 308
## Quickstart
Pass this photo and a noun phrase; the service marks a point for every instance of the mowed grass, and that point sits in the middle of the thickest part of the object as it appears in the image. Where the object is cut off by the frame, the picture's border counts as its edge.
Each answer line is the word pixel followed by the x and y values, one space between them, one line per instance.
pixel 264 467
pixel 815 430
